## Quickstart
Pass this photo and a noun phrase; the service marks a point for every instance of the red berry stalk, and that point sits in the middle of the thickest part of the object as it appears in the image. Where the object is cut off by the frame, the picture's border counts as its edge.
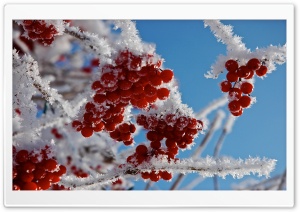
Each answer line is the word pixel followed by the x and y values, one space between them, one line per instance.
pixel 237 85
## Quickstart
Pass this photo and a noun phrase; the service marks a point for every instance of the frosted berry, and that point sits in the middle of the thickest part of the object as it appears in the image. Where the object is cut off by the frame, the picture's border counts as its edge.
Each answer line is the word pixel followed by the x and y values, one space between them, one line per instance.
pixel 141 149
pixel 163 93
pixel 253 64
pixel 87 132
pixel 166 75
pixel 232 76
pixel 261 71
pixel 245 101
pixel 234 106
pixel 231 65
pixel 225 86
pixel 246 87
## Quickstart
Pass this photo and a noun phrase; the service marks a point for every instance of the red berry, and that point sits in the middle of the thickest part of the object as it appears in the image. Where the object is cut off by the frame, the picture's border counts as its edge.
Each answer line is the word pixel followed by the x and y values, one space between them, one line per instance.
pixel 115 134
pixel 155 80
pixel 155 144
pixel 231 65
pixel 43 184
pixel 132 128
pixel 62 170
pixel 113 96
pixel 251 73
pixel 28 167
pixel 125 136
pixel 99 127
pixel 29 186
pixel 237 113
pixel 150 90
pixel 232 76
pixel 99 98
pixel 246 88
pixel 166 75
pixel 151 99
pixel 142 103
pixel 137 89
pixel 132 76
pixel 124 128
pixel 152 136
pixel 97 85
pixel 26 177
pixel 95 62
pixel 141 120
pixel 182 122
pixel 76 124
pixel 39 173
pixel 108 79
pixel 110 126
pixel 225 86
pixel 245 101
pixel 234 106
pixel 243 71
pixel 22 156
pixel 261 71
pixel 145 175
pixel 166 175
pixel 128 143
pixel 253 64
pixel 124 84
pixel 154 177
pixel 235 93
pixel 163 93
pixel 141 149
pixel 87 131
pixel 171 143
pixel 50 165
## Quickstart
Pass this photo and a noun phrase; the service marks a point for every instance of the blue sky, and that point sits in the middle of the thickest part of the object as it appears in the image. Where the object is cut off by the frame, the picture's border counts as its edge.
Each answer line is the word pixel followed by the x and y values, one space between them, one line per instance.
pixel 190 49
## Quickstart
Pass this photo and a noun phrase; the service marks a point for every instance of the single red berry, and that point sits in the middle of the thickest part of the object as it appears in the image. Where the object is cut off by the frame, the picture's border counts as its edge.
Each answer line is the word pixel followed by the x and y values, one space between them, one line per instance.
pixel 232 76
pixel 237 113
pixel 154 177
pixel 150 90
pixel 22 156
pixel 87 131
pixel 132 128
pixel 182 122
pixel 151 99
pixel 124 128
pixel 235 93
pixel 166 175
pixel 129 142
pixel 124 84
pixel 62 170
pixel 99 127
pixel 234 106
pixel 246 88
pixel 125 136
pixel 76 124
pixel 155 144
pixel 243 71
pixel 28 167
pixel 225 86
pixel 163 93
pixel 43 184
pixel 251 73
pixel 142 103
pixel 141 149
pixel 166 75
pixel 152 136
pixel 113 96
pixel 245 101
pixel 115 134
pixel 261 71
pixel 170 143
pixel 39 173
pixel 26 177
pixel 96 85
pixel 29 186
pixel 50 165
pixel 155 80
pixel 110 126
pixel 95 62
pixel 231 65
pixel 132 76
pixel 253 64
pixel 141 119
pixel 99 98
pixel 145 175
pixel 108 79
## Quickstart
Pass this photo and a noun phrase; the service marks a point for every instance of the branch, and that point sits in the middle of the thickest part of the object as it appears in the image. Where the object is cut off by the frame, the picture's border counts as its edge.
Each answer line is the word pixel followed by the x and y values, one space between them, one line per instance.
pixel 207 167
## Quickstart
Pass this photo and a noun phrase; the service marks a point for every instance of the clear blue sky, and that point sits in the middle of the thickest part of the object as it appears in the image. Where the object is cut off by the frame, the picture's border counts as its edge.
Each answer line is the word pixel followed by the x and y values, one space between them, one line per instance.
pixel 190 49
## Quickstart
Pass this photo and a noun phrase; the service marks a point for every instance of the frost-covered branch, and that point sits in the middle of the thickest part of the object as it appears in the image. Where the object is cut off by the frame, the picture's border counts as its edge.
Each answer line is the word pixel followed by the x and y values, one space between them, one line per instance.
pixel 206 167
pixel 236 49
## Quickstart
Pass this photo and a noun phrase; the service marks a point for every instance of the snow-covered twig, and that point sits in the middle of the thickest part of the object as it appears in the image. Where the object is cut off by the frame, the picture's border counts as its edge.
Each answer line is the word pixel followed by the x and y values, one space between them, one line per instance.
pixel 236 49
pixel 206 167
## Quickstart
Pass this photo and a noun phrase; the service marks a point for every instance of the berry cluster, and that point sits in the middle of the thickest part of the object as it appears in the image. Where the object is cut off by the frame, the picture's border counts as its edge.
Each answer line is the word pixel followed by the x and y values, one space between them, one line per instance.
pixel 143 154
pixel 35 171
pixel 78 172
pixel 237 83
pixel 126 82
pixel 178 130
pixel 39 30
